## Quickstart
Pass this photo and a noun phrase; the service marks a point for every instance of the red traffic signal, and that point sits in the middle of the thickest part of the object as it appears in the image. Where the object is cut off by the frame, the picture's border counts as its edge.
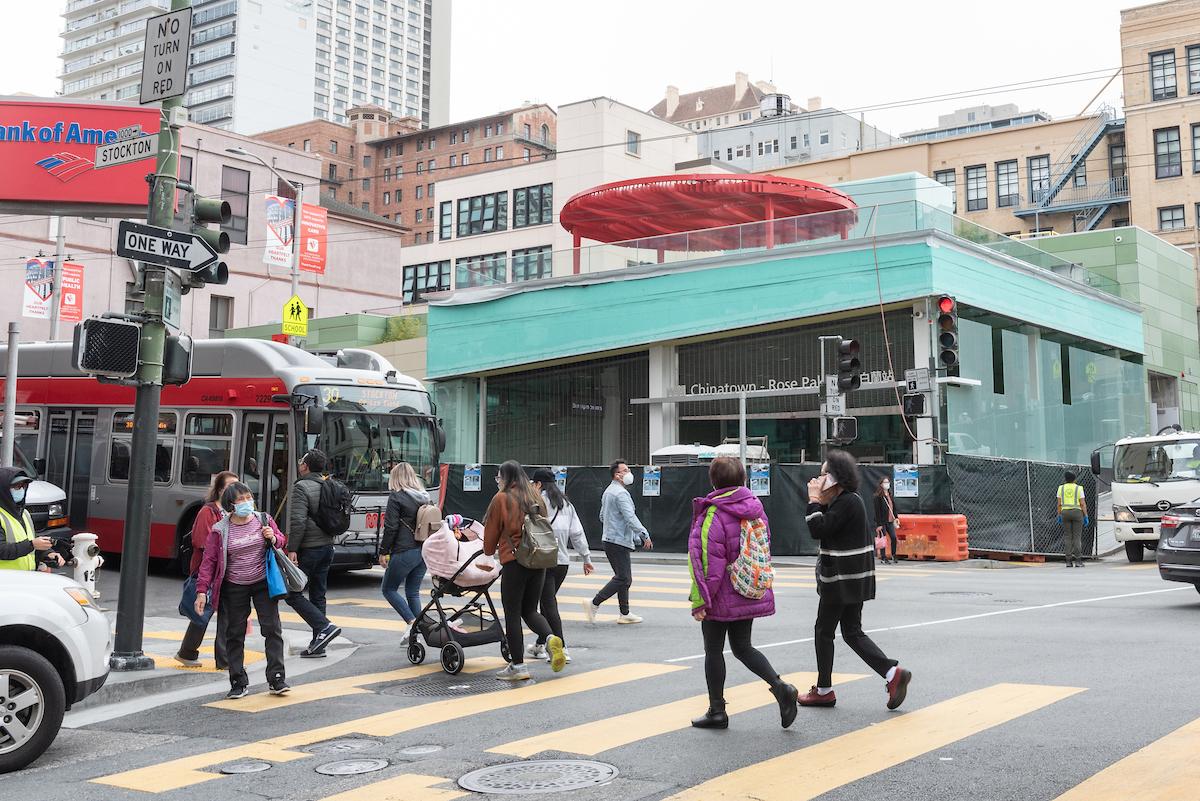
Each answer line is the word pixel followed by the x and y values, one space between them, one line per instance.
pixel 946 304
pixel 947 334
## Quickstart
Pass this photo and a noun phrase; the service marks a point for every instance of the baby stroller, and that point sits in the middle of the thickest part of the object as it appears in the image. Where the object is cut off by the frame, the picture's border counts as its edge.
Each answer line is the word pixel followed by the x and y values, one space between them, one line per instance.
pixel 451 554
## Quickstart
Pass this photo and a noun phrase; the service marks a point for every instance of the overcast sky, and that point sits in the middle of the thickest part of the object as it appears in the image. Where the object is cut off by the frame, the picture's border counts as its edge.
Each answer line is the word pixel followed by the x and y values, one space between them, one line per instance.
pixel 855 56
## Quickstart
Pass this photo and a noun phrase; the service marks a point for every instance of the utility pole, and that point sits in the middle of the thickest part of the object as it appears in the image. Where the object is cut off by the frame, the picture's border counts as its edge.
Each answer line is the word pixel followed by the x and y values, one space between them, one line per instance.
pixel 10 397
pixel 60 248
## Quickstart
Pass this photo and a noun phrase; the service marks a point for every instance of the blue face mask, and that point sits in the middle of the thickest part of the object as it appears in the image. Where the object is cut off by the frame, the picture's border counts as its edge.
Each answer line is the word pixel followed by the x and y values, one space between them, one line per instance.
pixel 18 494
pixel 243 508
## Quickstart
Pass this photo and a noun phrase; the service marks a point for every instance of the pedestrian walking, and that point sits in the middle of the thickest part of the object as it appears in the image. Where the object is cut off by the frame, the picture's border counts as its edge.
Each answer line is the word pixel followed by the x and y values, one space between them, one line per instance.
pixel 399 552
pixel 20 547
pixel 837 519
pixel 623 534
pixel 568 530
pixel 233 574
pixel 520 587
pixel 312 550
pixel 1073 517
pixel 189 649
pixel 885 517
pixel 721 523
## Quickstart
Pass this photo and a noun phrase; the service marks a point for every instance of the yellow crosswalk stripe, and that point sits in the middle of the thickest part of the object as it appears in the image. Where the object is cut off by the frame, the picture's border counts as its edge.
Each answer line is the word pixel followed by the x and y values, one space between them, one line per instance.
pixel 1165 770
pixel 590 739
pixel 407 787
pixel 350 685
pixel 638 588
pixel 387 624
pixel 187 771
pixel 809 772
pixel 651 584
pixel 354 622
pixel 641 603
pixel 638 578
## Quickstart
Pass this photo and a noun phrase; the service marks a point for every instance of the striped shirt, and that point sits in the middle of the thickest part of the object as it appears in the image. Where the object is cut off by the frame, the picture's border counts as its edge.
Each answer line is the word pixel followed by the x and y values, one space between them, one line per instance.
pixel 247 553
pixel 846 564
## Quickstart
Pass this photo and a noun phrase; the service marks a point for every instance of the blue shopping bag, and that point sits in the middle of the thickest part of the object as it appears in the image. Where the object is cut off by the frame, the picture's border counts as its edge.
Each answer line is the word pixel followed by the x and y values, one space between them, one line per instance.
pixel 187 604
pixel 276 587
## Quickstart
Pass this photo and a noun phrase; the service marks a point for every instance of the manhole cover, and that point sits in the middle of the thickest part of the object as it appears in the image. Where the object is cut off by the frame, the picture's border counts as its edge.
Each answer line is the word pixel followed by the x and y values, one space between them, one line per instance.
pixel 538 776
pixel 342 746
pixel 235 768
pixel 962 593
pixel 444 685
pixel 420 750
pixel 352 767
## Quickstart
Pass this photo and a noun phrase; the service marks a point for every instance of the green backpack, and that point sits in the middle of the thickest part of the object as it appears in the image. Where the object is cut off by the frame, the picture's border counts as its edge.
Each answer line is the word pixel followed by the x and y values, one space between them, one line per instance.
pixel 538 549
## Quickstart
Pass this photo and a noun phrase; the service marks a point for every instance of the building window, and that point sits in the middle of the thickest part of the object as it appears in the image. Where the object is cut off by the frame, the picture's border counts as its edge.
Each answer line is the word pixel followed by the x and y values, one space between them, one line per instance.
pixel 483 214
pixel 1007 184
pixel 453 160
pixel 428 190
pixel 499 152
pixel 946 179
pixel 420 215
pixel 499 129
pixel 446 221
pixel 420 145
pixel 1039 177
pixel 235 188
pixel 976 188
pixel 454 137
pixel 220 315
pixel 387 198
pixel 485 270
pixel 1170 218
pixel 420 279
pixel 333 147
pixel 420 168
pixel 487 154
pixel 420 191
pixel 633 143
pixel 1195 147
pixel 533 205
pixel 387 151
pixel 528 131
pixel 792 143
pixel 466 135
pixel 1193 65
pixel 1080 176
pixel 466 159
pixel 823 138
pixel 805 139
pixel 307 145
pixel 1116 160
pixel 525 154
pixel 532 263
pixel 366 183
pixel 1162 75
pixel 1167 158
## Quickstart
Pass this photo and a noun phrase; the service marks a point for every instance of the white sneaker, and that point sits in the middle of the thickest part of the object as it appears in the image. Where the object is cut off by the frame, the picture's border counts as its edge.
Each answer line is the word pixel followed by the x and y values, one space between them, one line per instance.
pixel 566 656
pixel 514 673
pixel 590 609
pixel 537 651
pixel 630 618
pixel 405 638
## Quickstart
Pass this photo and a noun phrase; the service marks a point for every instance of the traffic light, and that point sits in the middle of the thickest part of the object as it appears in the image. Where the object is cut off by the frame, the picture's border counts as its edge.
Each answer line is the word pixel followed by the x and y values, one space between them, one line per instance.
pixel 177 360
pixel 947 334
pixel 914 405
pixel 109 348
pixel 849 368
pixel 206 210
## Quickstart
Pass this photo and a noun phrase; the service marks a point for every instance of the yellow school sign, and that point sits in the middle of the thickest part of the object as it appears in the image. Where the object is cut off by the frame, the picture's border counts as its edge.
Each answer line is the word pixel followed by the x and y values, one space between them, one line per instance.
pixel 295 317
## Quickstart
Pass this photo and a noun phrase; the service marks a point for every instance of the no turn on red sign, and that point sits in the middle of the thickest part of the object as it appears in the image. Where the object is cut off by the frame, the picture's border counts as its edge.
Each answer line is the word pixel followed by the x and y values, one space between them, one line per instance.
pixel 165 58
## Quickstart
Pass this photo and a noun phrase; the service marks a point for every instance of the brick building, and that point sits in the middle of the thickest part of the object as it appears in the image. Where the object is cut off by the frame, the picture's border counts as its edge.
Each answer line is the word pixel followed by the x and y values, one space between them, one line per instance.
pixel 391 166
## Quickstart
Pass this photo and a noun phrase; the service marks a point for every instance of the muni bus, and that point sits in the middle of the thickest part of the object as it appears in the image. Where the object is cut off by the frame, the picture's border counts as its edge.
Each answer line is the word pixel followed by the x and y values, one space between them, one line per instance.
pixel 253 407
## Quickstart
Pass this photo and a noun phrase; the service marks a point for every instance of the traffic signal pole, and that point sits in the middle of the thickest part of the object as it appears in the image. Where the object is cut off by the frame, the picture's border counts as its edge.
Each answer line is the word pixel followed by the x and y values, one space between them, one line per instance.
pixel 135 550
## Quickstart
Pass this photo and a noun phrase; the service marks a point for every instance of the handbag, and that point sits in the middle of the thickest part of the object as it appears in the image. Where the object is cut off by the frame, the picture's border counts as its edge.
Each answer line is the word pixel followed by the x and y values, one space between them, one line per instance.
pixel 276 588
pixel 187 604
pixel 881 543
pixel 295 579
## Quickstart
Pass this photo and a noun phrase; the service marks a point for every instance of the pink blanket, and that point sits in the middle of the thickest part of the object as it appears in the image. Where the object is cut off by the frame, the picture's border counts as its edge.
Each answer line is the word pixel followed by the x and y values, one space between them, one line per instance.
pixel 444 554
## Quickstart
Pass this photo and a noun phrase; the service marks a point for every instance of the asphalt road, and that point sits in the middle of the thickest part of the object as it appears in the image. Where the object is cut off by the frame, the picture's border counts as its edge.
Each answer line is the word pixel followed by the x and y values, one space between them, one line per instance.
pixel 1030 682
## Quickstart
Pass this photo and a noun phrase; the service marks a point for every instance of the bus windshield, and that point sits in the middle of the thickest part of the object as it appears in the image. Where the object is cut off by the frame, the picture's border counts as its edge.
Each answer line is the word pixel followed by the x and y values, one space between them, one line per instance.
pixel 1153 462
pixel 363 447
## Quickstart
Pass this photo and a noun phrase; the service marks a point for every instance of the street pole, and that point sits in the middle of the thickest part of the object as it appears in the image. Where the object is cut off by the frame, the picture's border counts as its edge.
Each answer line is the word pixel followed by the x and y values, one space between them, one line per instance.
pixel 135 549
pixel 10 397
pixel 60 248
pixel 299 187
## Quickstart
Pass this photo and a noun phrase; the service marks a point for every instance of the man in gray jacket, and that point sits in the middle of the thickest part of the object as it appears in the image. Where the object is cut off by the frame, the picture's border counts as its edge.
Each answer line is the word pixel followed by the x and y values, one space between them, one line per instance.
pixel 623 533
pixel 311 549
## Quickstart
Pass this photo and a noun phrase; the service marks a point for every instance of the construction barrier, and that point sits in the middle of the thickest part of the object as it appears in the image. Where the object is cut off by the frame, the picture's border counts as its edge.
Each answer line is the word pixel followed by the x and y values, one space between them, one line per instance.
pixel 940 538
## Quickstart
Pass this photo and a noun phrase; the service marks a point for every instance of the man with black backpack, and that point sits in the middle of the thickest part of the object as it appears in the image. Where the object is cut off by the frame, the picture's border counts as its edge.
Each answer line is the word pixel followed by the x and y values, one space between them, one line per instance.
pixel 319 510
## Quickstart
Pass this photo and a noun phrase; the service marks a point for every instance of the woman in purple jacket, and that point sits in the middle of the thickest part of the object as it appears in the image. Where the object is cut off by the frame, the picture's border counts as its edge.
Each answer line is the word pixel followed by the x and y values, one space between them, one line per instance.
pixel 713 546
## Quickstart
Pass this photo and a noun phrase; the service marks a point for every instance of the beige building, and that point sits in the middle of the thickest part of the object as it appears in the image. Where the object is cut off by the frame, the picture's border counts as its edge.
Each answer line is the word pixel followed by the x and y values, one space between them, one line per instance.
pixel 717 107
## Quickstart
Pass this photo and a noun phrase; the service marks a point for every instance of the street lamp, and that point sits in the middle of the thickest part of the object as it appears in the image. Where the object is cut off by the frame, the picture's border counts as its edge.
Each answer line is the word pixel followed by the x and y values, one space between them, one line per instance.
pixel 295 260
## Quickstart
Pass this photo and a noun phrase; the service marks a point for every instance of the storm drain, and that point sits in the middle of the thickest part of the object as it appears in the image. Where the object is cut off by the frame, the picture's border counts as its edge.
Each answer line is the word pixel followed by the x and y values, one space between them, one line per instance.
pixel 251 766
pixel 351 767
pixel 538 776
pixel 963 594
pixel 440 686
pixel 342 746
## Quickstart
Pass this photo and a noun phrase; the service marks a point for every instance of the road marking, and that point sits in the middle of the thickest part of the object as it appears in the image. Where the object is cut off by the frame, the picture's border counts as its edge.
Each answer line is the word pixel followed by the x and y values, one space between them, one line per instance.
pixel 643 603
pixel 407 787
pixel 350 685
pixel 1165 770
pixel 809 772
pixel 640 582
pixel 354 622
pixel 639 588
pixel 187 771
pixel 1143 566
pixel 590 739
pixel 602 580
pixel 962 618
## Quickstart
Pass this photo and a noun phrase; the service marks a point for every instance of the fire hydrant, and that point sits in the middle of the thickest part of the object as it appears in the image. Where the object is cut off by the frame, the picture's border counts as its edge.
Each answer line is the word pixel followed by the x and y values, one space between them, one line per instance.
pixel 87 560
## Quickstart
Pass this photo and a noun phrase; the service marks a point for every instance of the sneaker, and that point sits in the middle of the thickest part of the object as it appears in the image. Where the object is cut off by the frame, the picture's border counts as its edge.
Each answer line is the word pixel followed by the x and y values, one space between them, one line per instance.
pixel 554 645
pixel 590 609
pixel 187 662
pixel 514 673
pixel 814 698
pixel 405 638
pixel 566 655
pixel 308 653
pixel 1079 563
pixel 279 689
pixel 629 618
pixel 897 688
pixel 236 693
pixel 322 640
pixel 537 651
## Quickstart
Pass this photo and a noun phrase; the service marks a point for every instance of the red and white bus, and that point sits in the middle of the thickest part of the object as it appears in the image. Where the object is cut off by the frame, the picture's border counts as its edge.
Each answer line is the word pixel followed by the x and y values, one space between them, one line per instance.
pixel 246 409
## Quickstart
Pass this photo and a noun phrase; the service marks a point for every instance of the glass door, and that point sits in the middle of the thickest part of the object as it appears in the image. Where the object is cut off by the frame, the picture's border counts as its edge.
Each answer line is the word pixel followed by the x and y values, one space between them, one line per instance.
pixel 254 456
pixel 69 459
pixel 281 467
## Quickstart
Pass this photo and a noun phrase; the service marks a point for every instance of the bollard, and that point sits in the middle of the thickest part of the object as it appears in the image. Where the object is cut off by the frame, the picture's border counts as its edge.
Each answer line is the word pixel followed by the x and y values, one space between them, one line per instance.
pixel 87 560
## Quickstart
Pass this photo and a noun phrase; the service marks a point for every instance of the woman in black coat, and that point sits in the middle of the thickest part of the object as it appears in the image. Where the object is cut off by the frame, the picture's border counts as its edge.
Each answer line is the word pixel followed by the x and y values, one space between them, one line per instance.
pixel 837 519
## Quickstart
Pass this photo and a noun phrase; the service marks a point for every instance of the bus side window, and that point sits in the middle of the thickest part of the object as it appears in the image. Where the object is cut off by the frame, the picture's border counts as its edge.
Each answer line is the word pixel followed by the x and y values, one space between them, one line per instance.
pixel 118 460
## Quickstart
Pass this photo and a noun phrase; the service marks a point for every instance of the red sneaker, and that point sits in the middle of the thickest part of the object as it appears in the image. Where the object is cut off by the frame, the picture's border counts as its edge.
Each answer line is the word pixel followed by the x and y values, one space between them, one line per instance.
pixel 814 698
pixel 897 688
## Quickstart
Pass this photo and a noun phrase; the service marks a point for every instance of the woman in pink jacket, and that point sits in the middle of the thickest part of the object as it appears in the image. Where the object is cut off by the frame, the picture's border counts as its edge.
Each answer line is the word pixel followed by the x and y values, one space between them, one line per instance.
pixel 713 546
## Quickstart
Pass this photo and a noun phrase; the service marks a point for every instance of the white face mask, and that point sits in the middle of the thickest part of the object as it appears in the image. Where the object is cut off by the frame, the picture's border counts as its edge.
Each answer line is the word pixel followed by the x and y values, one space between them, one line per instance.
pixel 887 485
pixel 627 479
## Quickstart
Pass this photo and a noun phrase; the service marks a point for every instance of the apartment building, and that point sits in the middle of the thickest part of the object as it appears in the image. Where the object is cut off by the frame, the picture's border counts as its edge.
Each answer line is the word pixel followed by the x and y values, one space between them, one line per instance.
pixel 716 107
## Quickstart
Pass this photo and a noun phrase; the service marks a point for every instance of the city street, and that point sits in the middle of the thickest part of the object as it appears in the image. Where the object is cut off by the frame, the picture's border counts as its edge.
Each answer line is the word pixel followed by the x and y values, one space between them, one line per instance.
pixel 1031 682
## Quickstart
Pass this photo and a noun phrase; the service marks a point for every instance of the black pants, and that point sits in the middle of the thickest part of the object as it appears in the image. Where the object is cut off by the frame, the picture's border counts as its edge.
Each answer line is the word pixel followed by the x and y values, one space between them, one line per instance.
pixel 890 530
pixel 829 615
pixel 714 632
pixel 194 637
pixel 520 591
pixel 555 577
pixel 234 606
pixel 619 584
pixel 315 563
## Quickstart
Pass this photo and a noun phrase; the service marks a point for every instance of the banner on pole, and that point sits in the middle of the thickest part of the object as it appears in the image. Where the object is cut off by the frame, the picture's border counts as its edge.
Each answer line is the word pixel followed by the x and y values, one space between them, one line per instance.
pixel 314 237
pixel 39 283
pixel 281 221
pixel 70 306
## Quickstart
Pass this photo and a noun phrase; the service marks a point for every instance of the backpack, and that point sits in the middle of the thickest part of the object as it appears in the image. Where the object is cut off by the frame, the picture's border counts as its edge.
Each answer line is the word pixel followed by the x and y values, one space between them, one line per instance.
pixel 751 573
pixel 429 520
pixel 538 548
pixel 332 514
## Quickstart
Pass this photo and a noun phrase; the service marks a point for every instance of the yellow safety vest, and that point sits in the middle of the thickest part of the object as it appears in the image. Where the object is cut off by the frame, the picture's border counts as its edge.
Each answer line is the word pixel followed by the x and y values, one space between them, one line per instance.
pixel 1070 494
pixel 18 531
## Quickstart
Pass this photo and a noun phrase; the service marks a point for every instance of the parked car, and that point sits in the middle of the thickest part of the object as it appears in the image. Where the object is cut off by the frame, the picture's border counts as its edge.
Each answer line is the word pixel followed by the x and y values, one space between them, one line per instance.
pixel 1178 551
pixel 54 650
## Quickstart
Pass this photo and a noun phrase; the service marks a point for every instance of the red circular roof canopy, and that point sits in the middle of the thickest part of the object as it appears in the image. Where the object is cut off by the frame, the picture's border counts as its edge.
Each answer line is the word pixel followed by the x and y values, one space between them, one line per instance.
pixel 712 209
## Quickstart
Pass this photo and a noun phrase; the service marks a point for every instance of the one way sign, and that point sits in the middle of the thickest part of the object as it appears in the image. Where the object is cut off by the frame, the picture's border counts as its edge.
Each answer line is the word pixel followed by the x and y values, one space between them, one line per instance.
pixel 178 249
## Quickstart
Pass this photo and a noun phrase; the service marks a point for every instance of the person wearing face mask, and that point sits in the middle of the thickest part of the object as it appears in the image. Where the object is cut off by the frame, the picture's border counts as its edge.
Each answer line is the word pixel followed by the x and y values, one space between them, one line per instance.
pixel 233 575
pixel 20 547
pixel 885 516
pixel 837 520
pixel 623 533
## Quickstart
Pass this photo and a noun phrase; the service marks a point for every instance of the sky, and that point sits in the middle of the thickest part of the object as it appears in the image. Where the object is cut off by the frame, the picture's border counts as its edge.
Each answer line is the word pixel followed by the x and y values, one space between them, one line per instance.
pixel 506 52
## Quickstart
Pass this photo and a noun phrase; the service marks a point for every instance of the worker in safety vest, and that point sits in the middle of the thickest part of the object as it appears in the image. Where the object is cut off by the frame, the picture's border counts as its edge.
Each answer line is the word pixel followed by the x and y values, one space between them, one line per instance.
pixel 1073 514
pixel 18 542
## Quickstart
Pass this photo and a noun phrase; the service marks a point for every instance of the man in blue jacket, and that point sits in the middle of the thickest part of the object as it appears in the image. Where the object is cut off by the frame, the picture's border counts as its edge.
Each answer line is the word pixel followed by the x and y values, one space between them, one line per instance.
pixel 623 533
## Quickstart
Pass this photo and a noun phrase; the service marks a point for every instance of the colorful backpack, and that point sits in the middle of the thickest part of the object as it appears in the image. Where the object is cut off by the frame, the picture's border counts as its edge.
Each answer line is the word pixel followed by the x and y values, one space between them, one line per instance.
pixel 751 573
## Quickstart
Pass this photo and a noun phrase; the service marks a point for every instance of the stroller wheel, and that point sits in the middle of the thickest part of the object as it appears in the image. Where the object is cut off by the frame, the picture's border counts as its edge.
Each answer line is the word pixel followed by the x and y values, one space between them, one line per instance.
pixel 452 658
pixel 504 652
pixel 416 652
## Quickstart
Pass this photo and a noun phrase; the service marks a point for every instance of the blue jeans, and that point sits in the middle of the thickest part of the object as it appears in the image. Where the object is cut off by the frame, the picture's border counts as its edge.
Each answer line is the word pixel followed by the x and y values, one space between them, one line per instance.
pixel 407 568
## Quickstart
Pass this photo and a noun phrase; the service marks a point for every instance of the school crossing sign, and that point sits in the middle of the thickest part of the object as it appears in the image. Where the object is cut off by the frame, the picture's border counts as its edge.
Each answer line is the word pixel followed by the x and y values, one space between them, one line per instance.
pixel 295 317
